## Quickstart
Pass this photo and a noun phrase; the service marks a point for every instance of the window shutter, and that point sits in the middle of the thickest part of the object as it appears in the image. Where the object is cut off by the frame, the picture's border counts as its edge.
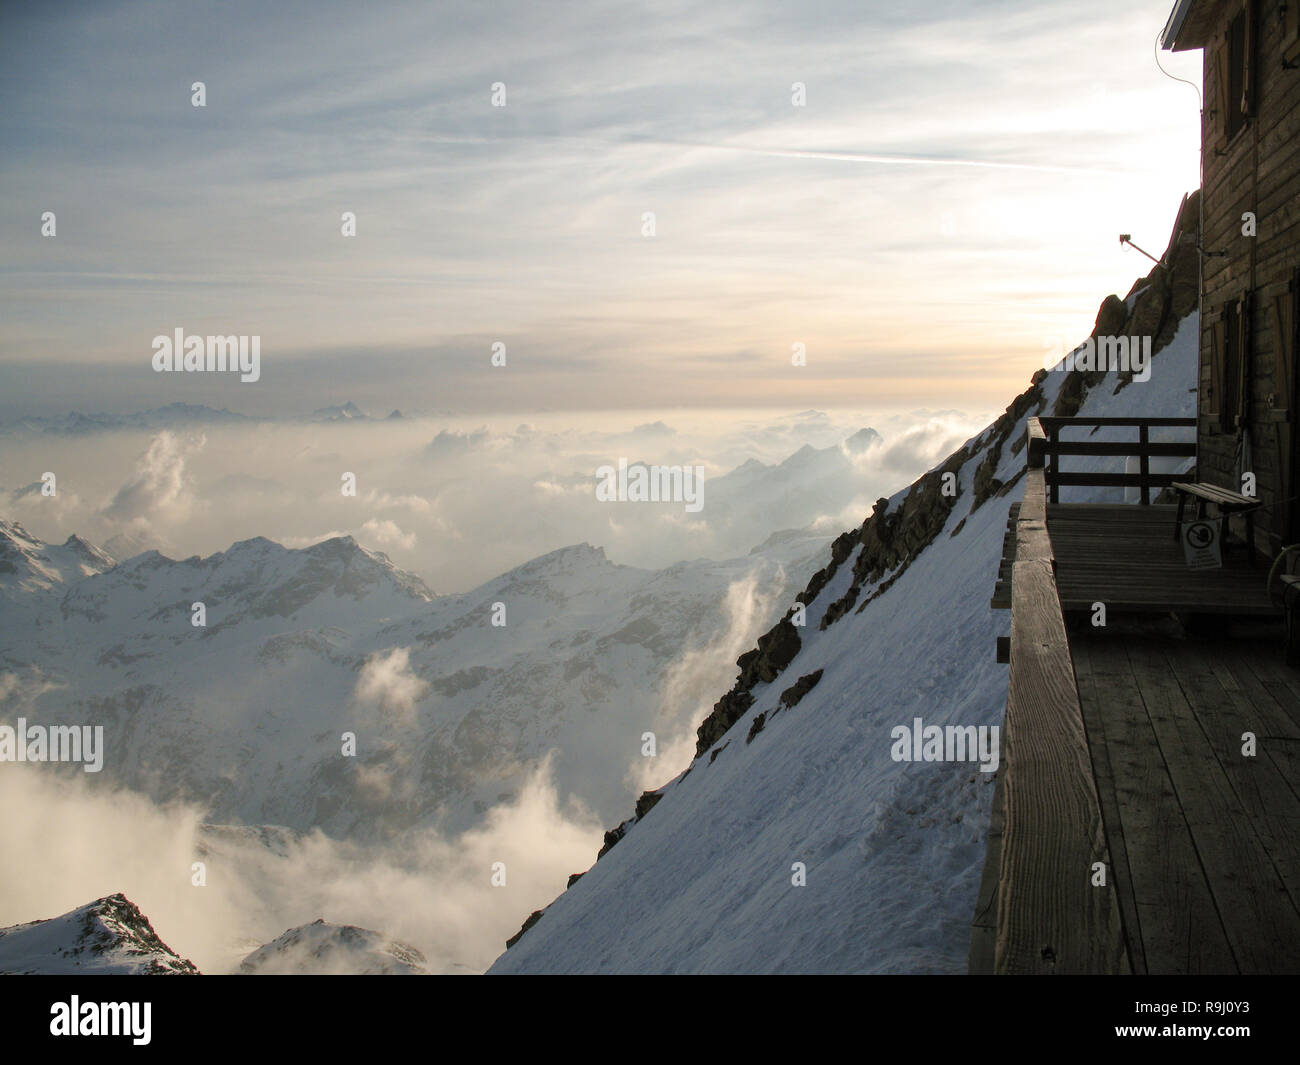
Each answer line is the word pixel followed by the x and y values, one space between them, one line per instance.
pixel 1291 33
pixel 1223 104
pixel 1248 63
pixel 1243 355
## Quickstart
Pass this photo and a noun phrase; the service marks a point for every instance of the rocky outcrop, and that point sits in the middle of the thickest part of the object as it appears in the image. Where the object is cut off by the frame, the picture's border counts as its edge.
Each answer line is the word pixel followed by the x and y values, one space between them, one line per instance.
pixel 986 484
pixel 529 921
pixel 791 696
pixel 841 548
pixel 776 650
pixel 725 713
pixel 1160 301
pixel 891 538
pixel 646 803
pixel 612 836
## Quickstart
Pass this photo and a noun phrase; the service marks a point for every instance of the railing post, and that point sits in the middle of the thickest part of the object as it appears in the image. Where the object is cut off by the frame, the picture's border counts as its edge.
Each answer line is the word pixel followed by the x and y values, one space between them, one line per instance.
pixel 1036 441
pixel 1144 462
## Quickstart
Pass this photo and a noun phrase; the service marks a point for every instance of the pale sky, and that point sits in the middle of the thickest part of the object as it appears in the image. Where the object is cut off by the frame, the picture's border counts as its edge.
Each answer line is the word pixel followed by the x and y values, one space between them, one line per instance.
pixel 852 225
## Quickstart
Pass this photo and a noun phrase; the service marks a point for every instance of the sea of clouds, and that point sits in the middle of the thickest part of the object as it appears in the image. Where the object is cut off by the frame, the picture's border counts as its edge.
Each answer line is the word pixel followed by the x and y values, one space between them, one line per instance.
pixel 459 501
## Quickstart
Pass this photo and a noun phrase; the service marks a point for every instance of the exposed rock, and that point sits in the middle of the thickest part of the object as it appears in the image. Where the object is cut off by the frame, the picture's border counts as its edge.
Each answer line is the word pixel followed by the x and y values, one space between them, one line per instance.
pixel 892 538
pixel 613 835
pixel 987 484
pixel 726 712
pixel 529 921
pixel 791 696
pixel 776 650
pixel 1111 316
pixel 841 548
pixel 646 803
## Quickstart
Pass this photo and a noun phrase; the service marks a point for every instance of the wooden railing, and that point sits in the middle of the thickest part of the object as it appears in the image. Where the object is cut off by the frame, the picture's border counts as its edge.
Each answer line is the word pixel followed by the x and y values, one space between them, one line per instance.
pixel 1038 911
pixel 1044 436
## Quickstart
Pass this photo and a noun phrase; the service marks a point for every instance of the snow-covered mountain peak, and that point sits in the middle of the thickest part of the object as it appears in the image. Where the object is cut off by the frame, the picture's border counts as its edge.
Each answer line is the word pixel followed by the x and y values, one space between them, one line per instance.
pixel 862 440
pixel 575 558
pixel 321 949
pixel 107 936
pixel 348 412
pixel 98 559
pixel 28 564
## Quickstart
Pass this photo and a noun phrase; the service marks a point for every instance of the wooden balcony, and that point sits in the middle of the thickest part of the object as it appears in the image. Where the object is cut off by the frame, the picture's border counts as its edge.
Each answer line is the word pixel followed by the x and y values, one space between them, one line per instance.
pixel 1131 831
pixel 1124 555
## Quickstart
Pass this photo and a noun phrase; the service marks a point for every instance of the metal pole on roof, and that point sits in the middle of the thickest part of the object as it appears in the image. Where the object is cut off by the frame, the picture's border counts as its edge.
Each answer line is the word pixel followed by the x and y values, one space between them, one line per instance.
pixel 1127 238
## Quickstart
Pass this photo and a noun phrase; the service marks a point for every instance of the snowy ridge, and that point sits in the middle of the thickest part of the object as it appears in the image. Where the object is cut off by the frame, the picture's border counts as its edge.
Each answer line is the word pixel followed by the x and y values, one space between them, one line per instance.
pixel 795 842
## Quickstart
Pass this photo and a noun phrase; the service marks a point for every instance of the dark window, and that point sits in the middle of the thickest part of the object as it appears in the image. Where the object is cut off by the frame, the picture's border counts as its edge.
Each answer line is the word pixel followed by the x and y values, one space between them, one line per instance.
pixel 1234 395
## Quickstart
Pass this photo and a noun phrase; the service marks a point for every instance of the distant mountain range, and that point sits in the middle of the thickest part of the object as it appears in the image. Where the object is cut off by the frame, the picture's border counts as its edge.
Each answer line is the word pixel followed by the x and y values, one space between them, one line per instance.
pixel 176 416
pixel 245 712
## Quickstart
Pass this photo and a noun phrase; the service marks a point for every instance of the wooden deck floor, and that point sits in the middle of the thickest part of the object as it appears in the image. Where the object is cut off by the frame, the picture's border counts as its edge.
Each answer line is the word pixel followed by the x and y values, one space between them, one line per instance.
pixel 1204 841
pixel 1126 556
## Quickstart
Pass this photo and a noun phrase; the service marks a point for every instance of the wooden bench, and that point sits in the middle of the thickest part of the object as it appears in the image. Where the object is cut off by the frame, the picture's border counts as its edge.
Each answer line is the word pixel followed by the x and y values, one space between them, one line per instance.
pixel 1227 501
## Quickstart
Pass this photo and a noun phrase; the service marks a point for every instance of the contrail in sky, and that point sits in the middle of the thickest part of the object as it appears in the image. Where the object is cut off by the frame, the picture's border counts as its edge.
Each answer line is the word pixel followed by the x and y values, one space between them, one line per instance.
pixel 879 158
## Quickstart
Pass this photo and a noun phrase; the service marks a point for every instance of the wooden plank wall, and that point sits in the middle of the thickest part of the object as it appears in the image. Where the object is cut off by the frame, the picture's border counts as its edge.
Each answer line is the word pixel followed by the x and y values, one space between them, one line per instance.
pixel 1257 171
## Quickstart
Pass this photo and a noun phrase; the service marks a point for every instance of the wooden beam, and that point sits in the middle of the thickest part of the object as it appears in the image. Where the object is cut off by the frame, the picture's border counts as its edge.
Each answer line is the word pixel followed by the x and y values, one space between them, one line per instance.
pixel 1111 480
pixel 1090 422
pixel 1088 447
pixel 1051 919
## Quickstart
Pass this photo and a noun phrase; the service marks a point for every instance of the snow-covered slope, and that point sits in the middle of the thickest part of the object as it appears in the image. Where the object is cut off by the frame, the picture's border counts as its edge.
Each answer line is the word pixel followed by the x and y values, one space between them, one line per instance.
pixel 795 842
pixel 320 949
pixel 107 937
